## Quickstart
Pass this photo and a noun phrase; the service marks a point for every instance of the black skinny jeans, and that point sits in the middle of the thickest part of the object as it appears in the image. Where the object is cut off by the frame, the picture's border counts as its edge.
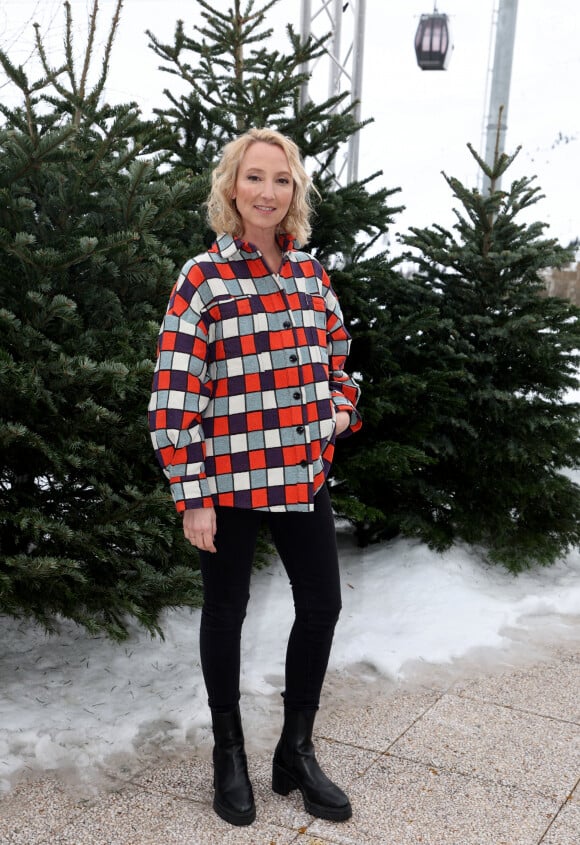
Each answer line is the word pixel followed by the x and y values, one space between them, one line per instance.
pixel 306 543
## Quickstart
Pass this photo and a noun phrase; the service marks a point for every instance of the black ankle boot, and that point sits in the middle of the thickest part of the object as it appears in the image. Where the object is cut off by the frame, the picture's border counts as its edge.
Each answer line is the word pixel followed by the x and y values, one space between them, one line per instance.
pixel 234 799
pixel 296 767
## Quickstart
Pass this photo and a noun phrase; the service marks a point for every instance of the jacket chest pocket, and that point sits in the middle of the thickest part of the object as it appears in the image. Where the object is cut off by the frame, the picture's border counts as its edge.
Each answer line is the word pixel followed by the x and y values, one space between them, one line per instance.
pixel 313 308
pixel 238 316
pixel 313 317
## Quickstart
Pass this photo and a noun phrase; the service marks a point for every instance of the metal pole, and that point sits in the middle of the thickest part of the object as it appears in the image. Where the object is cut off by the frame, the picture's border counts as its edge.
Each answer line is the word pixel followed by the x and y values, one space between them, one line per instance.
pixel 500 84
pixel 305 22
pixel 356 91
pixel 336 69
pixel 335 62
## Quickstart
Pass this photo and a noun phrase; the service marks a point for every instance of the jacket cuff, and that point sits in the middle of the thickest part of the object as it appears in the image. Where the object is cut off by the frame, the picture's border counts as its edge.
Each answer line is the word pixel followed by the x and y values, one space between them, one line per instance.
pixel 342 404
pixel 190 493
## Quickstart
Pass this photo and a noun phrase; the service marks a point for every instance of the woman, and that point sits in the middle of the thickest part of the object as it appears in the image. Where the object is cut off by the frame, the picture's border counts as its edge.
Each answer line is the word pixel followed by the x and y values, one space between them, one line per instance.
pixel 248 396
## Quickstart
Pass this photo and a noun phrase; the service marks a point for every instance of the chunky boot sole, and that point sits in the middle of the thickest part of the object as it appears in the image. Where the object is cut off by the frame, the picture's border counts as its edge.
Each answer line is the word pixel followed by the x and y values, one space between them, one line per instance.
pixel 283 783
pixel 233 816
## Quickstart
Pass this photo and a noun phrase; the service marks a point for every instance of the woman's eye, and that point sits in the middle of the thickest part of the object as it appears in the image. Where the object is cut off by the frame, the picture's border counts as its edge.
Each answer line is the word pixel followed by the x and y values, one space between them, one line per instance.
pixel 284 181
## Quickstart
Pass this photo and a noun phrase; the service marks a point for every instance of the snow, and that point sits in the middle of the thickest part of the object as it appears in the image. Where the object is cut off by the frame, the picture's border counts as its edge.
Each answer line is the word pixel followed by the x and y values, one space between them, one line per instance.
pixel 78 703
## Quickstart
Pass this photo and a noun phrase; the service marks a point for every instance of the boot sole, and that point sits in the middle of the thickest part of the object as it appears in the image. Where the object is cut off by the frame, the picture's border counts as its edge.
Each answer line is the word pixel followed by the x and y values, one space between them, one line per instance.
pixel 233 817
pixel 283 784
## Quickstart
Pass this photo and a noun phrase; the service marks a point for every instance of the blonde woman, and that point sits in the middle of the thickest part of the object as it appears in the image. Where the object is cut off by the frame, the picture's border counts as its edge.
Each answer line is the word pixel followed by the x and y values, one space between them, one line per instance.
pixel 249 394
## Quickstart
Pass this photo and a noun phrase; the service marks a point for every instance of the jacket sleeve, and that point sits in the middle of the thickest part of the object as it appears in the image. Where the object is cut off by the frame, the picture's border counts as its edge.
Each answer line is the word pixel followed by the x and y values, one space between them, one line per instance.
pixel 344 390
pixel 181 392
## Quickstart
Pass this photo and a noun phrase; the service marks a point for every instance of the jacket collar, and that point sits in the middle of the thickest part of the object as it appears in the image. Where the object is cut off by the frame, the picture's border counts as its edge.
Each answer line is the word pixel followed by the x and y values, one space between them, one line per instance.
pixel 231 247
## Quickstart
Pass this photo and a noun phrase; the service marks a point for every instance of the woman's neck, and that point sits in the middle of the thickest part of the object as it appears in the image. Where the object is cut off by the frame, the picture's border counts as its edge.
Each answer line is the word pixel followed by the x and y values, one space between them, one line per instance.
pixel 268 246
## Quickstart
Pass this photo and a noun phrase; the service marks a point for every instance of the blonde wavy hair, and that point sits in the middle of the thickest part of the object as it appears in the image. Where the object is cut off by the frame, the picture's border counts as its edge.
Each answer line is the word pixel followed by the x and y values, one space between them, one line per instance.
pixel 222 213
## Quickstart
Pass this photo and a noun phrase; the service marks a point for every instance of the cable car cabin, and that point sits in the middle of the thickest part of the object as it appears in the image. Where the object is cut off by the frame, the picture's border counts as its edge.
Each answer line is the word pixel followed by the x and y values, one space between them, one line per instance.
pixel 433 45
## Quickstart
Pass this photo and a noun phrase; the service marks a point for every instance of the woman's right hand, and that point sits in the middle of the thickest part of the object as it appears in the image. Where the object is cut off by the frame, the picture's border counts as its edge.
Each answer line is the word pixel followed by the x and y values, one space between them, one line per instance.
pixel 199 527
pixel 342 422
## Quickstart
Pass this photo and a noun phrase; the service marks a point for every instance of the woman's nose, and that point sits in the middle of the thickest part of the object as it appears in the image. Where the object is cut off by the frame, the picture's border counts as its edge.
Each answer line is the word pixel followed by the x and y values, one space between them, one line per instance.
pixel 267 188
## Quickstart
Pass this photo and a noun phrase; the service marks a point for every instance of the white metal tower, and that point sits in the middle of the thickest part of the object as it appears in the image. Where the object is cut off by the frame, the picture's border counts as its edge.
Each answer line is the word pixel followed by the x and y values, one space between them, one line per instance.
pixel 345 20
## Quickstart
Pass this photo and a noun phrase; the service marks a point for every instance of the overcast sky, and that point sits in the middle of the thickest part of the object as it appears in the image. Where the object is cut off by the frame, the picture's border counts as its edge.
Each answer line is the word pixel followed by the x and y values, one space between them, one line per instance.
pixel 422 120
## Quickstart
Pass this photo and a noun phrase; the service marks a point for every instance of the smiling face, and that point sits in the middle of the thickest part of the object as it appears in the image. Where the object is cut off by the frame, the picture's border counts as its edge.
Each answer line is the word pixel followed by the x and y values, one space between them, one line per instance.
pixel 263 191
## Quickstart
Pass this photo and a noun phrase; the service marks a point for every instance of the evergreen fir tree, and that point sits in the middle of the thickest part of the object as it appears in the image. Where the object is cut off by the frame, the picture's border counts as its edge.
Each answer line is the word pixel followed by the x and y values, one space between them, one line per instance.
pixel 501 459
pixel 87 231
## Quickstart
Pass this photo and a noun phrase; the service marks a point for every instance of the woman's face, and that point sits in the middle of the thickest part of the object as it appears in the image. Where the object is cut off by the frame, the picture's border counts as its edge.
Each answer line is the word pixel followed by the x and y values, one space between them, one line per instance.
pixel 264 189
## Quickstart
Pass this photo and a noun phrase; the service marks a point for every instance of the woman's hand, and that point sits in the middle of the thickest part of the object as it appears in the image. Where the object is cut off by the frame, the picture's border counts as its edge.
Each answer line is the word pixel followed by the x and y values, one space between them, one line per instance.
pixel 199 527
pixel 342 422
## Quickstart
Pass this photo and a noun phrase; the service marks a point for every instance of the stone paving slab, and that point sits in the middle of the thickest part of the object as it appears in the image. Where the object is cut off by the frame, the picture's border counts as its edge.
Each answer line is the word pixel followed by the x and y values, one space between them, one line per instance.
pixel 378 722
pixel 549 690
pixel 565 829
pixel 496 743
pixel 401 802
pixel 136 817
pixel 35 809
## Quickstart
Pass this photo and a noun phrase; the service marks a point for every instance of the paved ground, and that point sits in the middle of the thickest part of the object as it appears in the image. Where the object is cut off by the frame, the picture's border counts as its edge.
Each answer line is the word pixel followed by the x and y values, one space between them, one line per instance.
pixel 476 757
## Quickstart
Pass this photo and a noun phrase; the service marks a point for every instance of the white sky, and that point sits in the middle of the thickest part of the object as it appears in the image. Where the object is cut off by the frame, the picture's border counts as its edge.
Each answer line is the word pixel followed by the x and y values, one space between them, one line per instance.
pixel 422 120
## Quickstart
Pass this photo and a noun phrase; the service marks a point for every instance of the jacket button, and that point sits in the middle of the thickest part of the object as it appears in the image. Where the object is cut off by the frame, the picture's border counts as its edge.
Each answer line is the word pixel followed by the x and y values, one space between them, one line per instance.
pixel 287 324
pixel 303 464
pixel 294 358
pixel 300 429
pixel 296 395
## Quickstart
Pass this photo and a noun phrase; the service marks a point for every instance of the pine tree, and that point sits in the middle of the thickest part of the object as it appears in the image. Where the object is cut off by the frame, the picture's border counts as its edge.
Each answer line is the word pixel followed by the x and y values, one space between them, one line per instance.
pixel 87 231
pixel 501 458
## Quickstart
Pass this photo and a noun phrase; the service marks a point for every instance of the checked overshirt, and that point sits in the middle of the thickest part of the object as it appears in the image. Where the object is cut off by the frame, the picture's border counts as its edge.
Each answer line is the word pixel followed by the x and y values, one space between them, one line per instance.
pixel 248 380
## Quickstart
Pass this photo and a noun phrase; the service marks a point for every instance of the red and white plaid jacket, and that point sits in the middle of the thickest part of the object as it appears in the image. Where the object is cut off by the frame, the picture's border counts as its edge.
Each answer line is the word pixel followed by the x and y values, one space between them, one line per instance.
pixel 248 380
